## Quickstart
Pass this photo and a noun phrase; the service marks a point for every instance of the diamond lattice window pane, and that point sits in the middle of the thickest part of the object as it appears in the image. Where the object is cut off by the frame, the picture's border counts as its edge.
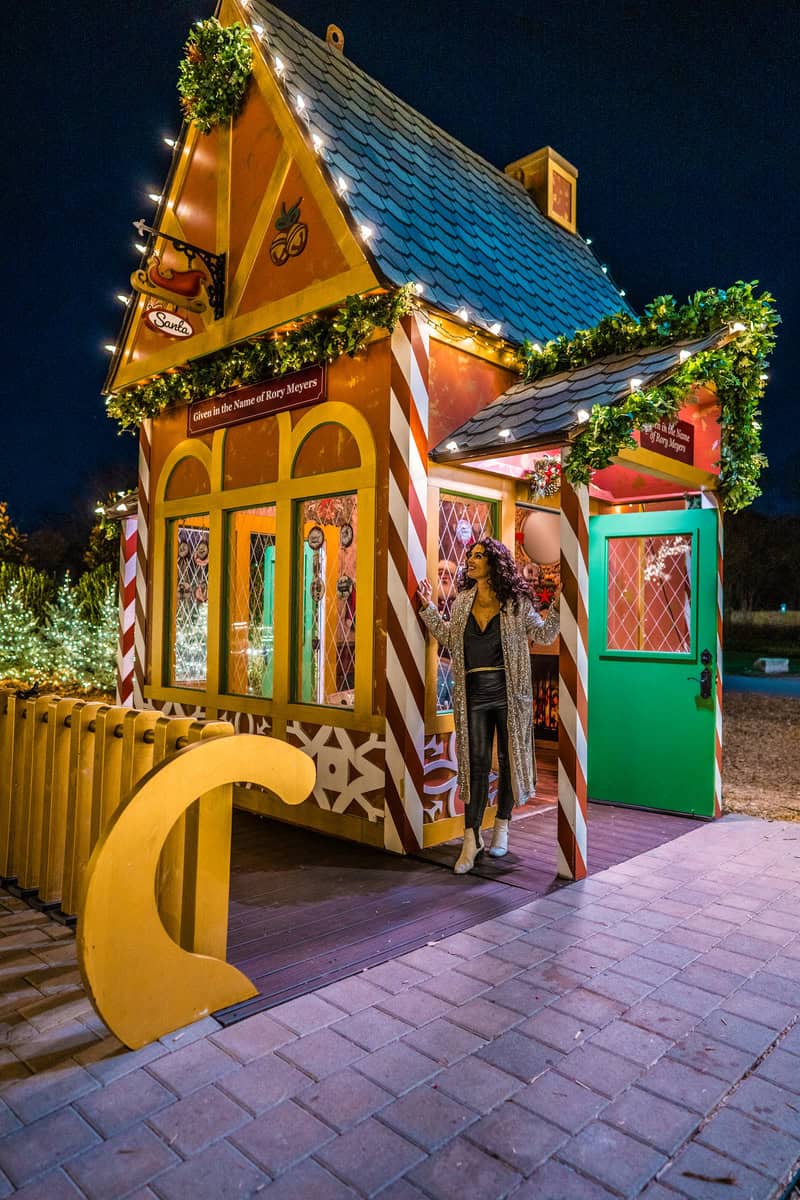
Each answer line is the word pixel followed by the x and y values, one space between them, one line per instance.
pixel 461 522
pixel 326 634
pixel 650 593
pixel 251 601
pixel 189 601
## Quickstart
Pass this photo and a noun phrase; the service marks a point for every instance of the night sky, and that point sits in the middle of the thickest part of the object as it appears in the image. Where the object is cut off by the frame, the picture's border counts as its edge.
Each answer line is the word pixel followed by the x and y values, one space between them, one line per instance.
pixel 681 119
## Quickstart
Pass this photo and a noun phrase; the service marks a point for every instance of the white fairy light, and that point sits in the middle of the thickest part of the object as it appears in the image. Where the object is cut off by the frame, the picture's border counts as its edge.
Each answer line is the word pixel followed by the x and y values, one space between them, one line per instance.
pixel 684 355
pixel 419 288
pixel 738 327
pixel 123 299
pixel 110 349
pixel 588 241
pixel 120 508
pixel 341 185
pixel 495 328
pixel 155 197
pixel 317 142
pixel 280 65
pixel 604 269
pixel 169 142
pixel 582 415
pixel 366 232
pixel 504 433
pixel 763 377
pixel 258 30
pixel 299 103
pixel 138 246
pixel 462 314
pixel 451 446
pixel 635 384
pixel 622 292
pixel 537 348
pixel 99 510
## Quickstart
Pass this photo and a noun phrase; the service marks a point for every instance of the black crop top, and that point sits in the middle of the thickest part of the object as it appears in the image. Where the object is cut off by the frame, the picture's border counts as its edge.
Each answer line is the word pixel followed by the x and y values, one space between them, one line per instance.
pixel 483 649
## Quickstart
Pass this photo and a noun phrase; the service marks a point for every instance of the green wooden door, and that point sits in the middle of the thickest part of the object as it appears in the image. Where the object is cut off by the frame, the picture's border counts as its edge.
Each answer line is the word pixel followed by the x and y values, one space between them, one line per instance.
pixel 652 630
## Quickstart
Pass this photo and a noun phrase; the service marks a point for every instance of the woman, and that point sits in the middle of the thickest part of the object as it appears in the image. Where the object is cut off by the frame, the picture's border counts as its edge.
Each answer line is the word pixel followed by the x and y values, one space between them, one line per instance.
pixel 491 621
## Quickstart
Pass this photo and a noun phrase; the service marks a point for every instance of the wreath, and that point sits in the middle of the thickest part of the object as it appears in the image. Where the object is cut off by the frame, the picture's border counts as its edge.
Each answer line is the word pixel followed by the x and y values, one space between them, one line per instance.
pixel 545 476
pixel 215 72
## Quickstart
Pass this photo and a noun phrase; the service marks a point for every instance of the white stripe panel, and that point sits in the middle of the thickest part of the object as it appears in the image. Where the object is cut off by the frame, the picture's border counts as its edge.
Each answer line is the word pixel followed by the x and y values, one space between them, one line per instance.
pixel 401 519
pixel 402 352
pixel 409 799
pixel 574 729
pixel 129 615
pixel 412 717
pixel 405 614
pixel 404 440
pixel 568 803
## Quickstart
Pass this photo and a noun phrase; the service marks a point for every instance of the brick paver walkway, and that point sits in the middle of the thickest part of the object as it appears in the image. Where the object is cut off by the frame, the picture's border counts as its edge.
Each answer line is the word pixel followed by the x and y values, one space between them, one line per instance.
pixel 632 1035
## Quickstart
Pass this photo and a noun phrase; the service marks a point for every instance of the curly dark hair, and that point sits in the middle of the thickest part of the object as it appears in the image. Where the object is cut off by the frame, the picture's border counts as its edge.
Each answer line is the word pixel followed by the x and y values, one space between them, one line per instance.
pixel 504 578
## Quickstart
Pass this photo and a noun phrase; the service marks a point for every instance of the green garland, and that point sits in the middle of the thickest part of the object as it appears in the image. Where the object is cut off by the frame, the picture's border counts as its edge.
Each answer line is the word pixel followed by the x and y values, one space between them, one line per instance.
pixel 736 369
pixel 213 77
pixel 322 339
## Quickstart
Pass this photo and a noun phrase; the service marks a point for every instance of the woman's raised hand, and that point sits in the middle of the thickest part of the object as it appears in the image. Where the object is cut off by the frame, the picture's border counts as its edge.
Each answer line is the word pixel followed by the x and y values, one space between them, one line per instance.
pixel 425 590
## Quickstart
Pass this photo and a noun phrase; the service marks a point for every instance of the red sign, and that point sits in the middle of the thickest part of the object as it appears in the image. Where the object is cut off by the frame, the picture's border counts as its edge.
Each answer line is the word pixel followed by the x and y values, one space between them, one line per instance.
pixel 673 439
pixel 259 400
pixel 171 324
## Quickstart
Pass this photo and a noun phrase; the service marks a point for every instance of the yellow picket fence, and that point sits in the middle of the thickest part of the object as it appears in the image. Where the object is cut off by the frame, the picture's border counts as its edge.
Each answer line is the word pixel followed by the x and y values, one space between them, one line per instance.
pixel 122 819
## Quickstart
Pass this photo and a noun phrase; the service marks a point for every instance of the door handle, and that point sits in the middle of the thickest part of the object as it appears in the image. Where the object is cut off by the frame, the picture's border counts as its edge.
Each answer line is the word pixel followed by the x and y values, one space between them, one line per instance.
pixel 704 681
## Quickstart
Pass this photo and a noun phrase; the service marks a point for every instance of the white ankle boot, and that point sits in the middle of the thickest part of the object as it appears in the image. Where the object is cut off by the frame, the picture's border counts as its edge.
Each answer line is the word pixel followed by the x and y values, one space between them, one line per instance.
pixel 469 852
pixel 500 839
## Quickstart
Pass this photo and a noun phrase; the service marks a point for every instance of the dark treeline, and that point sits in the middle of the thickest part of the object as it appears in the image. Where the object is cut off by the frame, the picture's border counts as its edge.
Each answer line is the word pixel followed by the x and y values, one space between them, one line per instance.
pixel 762 561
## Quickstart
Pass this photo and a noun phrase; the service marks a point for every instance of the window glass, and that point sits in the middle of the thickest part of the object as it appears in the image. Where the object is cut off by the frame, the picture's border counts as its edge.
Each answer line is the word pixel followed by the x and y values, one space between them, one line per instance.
pixel 251 601
pixel 650 593
pixel 188 640
pixel 327 543
pixel 461 521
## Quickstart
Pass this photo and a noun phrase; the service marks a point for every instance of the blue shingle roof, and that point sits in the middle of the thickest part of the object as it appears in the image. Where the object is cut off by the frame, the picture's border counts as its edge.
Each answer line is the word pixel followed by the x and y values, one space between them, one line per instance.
pixel 442 215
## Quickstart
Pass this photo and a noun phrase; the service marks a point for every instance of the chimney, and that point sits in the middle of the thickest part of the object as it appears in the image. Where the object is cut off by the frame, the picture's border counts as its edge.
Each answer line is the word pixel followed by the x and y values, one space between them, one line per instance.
pixel 551 181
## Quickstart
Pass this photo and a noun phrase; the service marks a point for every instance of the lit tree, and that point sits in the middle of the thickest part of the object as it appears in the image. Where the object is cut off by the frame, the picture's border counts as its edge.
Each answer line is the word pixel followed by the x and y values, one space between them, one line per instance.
pixel 20 642
pixel 12 542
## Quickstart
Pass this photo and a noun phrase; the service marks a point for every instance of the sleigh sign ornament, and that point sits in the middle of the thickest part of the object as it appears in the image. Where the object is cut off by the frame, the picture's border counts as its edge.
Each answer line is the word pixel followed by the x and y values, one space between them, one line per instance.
pixel 195 288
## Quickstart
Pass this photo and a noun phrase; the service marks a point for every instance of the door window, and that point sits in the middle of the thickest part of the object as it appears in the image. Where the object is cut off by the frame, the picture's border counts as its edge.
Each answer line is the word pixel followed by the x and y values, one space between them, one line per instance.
pixel 326 629
pixel 251 601
pixel 188 640
pixel 650 593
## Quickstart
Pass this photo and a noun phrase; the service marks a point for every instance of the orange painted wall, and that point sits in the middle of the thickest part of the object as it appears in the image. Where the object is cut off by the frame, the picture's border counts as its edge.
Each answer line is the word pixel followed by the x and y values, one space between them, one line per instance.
pixel 460 386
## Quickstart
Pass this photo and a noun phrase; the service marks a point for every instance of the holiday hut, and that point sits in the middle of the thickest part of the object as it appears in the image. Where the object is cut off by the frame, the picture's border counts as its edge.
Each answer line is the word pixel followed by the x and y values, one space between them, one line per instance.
pixel 343 371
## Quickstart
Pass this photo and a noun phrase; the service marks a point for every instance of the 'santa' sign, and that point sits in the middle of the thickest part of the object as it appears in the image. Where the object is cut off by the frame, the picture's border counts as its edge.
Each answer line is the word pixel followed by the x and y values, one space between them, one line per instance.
pixel 171 324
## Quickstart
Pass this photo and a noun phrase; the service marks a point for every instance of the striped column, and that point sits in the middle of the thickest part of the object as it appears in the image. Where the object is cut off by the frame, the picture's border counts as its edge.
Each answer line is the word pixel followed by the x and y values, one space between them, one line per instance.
pixel 407 563
pixel 127 611
pixel 573 680
pixel 709 500
pixel 142 542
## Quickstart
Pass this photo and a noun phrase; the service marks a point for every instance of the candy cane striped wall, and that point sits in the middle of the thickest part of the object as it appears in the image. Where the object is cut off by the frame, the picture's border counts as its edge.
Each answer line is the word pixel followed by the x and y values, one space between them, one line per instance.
pixel 405 643
pixel 127 611
pixel 142 532
pixel 709 500
pixel 573 674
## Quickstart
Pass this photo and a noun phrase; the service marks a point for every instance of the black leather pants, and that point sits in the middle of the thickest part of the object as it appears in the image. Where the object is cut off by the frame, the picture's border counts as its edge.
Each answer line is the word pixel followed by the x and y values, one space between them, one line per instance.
pixel 487 714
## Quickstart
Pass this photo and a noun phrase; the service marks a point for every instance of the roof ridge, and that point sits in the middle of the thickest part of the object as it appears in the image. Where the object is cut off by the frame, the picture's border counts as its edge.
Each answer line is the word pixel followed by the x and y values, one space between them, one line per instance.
pixel 340 61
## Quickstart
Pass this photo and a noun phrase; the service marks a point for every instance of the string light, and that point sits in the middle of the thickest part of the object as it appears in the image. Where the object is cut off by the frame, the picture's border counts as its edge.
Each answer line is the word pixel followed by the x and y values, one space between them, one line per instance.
pixel 419 288
pixel 169 142
pixel 604 269
pixel 496 328
pixel 140 247
pixel 622 292
pixel 366 232
pixel 684 355
pixel 123 299
pixel 318 142
pixel 738 327
pixel 452 446
pixel 462 314
pixel 299 103
pixel 341 185
pixel 588 241
pixel 505 433
pixel 635 384
pixel 155 197
pixel 111 349
pixel 258 30
pixel 280 66
pixel 537 347
pixel 582 415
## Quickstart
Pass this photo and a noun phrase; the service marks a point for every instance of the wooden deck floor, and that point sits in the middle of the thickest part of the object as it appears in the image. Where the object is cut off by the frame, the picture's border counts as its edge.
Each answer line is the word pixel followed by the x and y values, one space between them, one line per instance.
pixel 307 910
